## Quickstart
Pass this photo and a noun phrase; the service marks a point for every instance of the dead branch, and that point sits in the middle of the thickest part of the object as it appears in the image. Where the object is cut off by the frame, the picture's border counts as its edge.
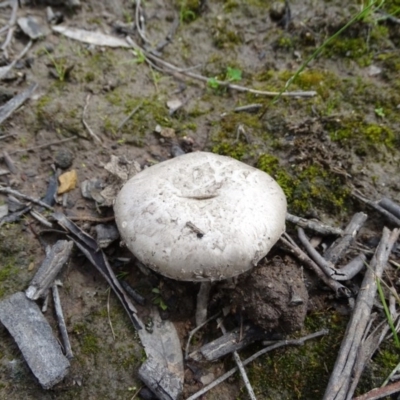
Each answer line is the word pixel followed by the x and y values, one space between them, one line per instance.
pixel 293 342
pixel 340 380
pixel 85 124
pixel 391 206
pixel 315 226
pixel 379 393
pixel 15 102
pixel 240 365
pixel 172 69
pixel 337 249
pixel 327 267
pixel 61 322
pixel 339 289
pixel 50 268
pixel 15 193
pixel 389 216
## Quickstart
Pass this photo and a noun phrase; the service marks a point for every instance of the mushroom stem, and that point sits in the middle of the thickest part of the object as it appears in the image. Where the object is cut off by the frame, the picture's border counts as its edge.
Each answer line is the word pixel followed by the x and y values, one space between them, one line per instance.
pixel 202 302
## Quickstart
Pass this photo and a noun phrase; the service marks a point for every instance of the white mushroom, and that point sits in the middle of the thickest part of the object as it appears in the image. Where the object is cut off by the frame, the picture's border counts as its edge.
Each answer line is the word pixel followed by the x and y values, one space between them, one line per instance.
pixel 200 216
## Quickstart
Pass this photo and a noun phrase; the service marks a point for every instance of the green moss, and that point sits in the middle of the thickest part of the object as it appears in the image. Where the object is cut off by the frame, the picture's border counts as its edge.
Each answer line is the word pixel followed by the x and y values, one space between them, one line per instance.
pixel 88 340
pixel 225 34
pixel 365 137
pixel 300 372
pixel 306 187
pixel 188 10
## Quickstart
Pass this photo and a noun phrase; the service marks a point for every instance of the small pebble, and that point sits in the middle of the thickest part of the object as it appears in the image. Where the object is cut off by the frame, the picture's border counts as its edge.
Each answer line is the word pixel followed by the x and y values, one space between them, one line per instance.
pixel 64 158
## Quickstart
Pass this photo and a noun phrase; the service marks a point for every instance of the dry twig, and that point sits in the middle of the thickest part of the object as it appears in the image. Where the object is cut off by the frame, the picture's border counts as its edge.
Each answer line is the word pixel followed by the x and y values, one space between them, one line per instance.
pixel 240 365
pixel 338 288
pixel 336 250
pixel 316 226
pixel 8 190
pixel 61 322
pixel 339 386
pixel 281 343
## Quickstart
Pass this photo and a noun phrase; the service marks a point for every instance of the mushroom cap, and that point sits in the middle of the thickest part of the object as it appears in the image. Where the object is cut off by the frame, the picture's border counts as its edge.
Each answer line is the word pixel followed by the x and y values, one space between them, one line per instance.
pixel 200 216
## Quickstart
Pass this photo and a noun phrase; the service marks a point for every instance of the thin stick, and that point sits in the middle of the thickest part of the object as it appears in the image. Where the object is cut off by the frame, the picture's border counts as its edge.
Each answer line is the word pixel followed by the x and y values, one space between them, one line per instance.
pixel 390 206
pixel 338 288
pixel 172 69
pixel 316 226
pixel 125 120
pixel 108 314
pixel 11 24
pixel 344 274
pixel 6 136
pixel 339 386
pixel 42 146
pixel 8 190
pixel 337 249
pixel 379 393
pixel 85 124
pixel 240 366
pixel 390 217
pixel 61 322
pixel 7 69
pixel 293 342
pixel 193 331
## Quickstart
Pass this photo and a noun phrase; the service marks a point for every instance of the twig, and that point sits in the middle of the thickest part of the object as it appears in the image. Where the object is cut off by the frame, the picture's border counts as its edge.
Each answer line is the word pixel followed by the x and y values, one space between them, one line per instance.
pixel 338 288
pixel 390 206
pixel 390 217
pixel 10 163
pixel 170 34
pixel 54 261
pixel 248 108
pixel 126 119
pixel 316 226
pixel 15 102
pixel 91 219
pixel 6 136
pixel 327 267
pixel 340 381
pixel 379 393
pixel 42 146
pixel 11 25
pixel 39 217
pixel 61 322
pixel 139 21
pixel 85 124
pixel 193 331
pixel 108 313
pixel 335 251
pixel 240 365
pixel 174 70
pixel 5 70
pixel 293 342
pixel 8 190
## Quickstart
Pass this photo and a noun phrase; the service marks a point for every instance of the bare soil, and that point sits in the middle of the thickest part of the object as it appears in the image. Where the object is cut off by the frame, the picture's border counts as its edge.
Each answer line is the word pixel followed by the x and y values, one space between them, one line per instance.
pixel 319 150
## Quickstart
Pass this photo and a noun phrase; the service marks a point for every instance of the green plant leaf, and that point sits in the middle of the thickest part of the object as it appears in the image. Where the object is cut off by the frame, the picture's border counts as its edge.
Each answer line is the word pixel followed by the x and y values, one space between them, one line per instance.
pixel 213 83
pixel 233 74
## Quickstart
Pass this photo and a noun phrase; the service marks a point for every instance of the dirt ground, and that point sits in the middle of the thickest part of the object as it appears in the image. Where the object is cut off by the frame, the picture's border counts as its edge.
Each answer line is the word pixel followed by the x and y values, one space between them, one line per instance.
pixel 319 149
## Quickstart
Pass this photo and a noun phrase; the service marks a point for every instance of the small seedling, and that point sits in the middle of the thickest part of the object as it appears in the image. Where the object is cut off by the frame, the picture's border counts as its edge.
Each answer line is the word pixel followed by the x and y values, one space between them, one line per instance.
pixel 387 313
pixel 158 300
pixel 62 71
pixel 233 74
pixel 379 112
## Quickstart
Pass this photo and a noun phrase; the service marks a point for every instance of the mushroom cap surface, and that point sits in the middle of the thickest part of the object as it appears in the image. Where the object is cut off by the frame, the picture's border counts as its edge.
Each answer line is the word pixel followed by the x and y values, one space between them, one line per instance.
pixel 200 216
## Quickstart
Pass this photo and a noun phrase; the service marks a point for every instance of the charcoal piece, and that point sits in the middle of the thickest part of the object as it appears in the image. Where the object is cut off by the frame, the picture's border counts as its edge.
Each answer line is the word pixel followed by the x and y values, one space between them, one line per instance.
pixel 34 337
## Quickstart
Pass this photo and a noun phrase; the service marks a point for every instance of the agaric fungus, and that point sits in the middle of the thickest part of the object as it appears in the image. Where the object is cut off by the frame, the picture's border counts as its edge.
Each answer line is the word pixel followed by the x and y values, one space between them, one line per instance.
pixel 200 217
